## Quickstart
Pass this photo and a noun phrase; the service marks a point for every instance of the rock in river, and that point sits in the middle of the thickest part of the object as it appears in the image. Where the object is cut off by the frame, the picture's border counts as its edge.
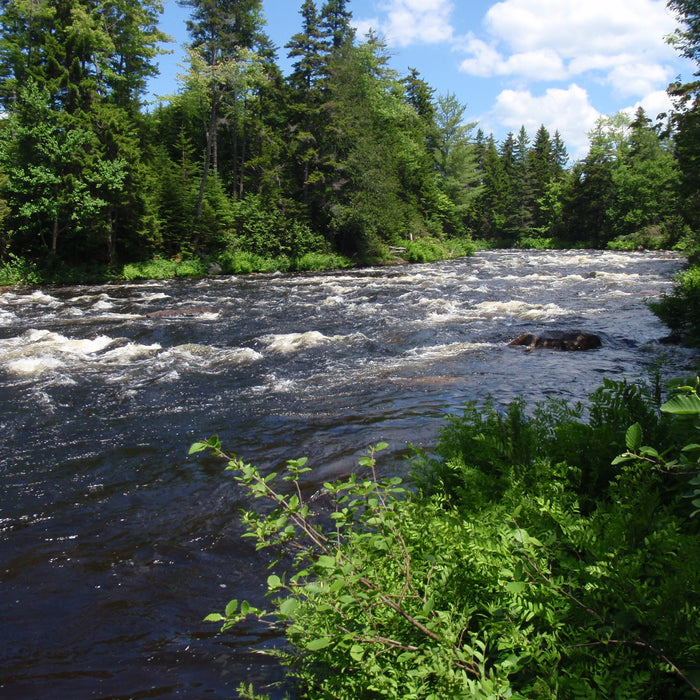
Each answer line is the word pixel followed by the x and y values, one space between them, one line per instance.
pixel 562 340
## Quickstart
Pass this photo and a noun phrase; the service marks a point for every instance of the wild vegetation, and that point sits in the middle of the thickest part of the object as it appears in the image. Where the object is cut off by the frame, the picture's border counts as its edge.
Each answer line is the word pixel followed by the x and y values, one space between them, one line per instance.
pixel 535 554
pixel 541 552
pixel 340 162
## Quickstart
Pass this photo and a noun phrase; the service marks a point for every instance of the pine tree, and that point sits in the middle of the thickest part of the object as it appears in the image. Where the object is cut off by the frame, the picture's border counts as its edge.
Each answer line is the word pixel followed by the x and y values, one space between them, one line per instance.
pixel 335 22
pixel 646 179
pixel 84 138
pixel 224 36
pixel 455 155
pixel 377 166
pixel 307 47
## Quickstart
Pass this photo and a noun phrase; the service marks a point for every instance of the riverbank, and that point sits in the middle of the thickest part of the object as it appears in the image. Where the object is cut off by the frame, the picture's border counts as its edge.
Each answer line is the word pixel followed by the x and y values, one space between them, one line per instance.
pixel 21 271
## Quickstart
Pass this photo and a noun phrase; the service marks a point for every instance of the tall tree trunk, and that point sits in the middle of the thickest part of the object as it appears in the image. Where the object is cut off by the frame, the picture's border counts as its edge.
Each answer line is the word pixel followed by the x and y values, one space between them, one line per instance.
pixel 211 135
pixel 234 187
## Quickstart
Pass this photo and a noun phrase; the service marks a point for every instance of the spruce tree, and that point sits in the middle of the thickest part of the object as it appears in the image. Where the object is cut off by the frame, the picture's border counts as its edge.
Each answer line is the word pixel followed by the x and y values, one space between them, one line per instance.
pixel 307 47
pixel 224 36
pixel 72 73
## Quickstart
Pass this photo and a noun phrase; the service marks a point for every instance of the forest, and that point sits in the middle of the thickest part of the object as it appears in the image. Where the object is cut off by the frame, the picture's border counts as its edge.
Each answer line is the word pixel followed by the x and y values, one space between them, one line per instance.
pixel 334 164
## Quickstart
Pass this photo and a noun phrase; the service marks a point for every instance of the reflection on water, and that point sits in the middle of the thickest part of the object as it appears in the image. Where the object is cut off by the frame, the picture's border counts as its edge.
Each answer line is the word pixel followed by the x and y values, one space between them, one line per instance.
pixel 115 544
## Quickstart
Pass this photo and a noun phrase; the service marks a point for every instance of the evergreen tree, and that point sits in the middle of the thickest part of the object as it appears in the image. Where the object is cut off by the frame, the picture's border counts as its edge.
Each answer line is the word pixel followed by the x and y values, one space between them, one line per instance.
pixel 133 29
pixel 377 171
pixel 513 175
pixel 307 47
pixel 335 22
pixel 685 119
pixel 420 96
pixel 85 138
pixel 646 179
pixel 586 215
pixel 526 198
pixel 490 209
pixel 222 58
pixel 455 156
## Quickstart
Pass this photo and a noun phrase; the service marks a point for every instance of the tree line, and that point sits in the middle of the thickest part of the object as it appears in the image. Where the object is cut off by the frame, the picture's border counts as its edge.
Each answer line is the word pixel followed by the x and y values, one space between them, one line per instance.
pixel 344 155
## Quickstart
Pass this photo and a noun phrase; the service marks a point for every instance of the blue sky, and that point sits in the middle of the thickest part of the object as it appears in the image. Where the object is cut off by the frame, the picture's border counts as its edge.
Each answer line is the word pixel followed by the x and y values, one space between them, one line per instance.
pixel 561 63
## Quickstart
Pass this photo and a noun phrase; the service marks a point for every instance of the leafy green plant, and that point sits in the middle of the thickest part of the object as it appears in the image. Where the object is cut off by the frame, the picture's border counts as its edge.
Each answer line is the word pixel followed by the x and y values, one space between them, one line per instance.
pixel 680 310
pixel 162 268
pixel 17 270
pixel 515 592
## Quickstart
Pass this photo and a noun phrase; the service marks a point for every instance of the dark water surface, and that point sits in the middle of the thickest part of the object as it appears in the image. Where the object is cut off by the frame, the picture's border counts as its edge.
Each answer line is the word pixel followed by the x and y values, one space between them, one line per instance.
pixel 114 544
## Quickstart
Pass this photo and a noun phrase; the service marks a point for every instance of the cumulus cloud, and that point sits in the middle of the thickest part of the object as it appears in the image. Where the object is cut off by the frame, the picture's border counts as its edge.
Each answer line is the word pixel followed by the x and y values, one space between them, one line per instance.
pixel 568 111
pixel 622 41
pixel 654 104
pixel 486 61
pixel 536 54
pixel 409 22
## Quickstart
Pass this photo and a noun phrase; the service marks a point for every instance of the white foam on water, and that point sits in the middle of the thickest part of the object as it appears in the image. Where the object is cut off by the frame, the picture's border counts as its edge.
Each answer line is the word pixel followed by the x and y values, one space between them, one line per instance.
pixel 333 300
pixel 153 296
pixel 33 366
pixel 130 352
pixel 85 346
pixel 275 384
pixel 241 356
pixel 286 343
pixel 518 309
pixel 7 318
pixel 444 351
pixel 39 297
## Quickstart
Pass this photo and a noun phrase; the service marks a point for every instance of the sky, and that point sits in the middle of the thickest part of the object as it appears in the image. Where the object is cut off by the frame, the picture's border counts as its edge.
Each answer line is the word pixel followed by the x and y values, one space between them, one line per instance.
pixel 513 63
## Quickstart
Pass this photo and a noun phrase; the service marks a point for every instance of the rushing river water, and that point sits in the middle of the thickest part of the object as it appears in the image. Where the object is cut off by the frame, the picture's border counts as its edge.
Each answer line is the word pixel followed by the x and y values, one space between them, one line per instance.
pixel 114 544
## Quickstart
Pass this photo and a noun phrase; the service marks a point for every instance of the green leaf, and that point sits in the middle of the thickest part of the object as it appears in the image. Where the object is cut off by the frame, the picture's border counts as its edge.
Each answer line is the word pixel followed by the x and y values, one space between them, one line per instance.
pixel 516 587
pixel 683 404
pixel 197 447
pixel 231 608
pixel 357 652
pixel 288 606
pixel 274 582
pixel 633 437
pixel 326 562
pixel 214 617
pixel 318 643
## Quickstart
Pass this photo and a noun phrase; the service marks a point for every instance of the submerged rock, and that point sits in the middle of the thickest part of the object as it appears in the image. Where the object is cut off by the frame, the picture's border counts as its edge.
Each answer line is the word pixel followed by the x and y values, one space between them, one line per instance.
pixel 564 340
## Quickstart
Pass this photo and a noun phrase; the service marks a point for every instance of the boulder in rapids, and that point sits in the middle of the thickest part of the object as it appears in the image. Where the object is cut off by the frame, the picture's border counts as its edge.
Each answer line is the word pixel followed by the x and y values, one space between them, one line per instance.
pixel 564 340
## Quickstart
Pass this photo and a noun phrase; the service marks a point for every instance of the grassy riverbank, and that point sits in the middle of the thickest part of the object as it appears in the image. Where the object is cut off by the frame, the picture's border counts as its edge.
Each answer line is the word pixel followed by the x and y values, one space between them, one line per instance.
pixel 20 271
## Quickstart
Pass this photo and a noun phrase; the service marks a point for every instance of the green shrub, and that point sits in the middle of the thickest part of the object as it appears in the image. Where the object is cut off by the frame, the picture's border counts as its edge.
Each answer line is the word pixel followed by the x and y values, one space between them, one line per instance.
pixel 680 310
pixel 320 261
pixel 162 268
pixel 17 270
pixel 516 593
pixel 427 249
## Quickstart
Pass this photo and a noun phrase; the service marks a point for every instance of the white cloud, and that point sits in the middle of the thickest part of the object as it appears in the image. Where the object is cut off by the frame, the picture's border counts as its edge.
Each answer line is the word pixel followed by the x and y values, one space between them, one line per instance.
pixel 567 111
pixel 413 21
pixel 574 27
pixel 632 78
pixel 541 64
pixel 654 104
pixel 622 42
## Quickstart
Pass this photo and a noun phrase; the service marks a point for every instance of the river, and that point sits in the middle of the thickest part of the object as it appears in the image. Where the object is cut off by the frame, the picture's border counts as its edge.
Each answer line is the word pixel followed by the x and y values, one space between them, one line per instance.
pixel 115 544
